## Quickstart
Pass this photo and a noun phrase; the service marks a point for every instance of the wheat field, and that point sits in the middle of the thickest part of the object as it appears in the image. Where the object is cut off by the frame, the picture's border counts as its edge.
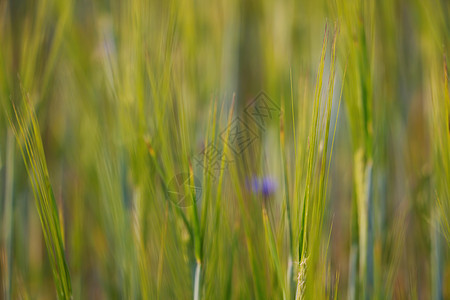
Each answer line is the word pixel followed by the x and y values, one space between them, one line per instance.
pixel 249 149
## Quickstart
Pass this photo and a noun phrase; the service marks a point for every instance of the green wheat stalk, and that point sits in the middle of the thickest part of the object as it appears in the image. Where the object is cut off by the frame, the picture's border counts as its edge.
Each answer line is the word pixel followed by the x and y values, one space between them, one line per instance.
pixel 28 136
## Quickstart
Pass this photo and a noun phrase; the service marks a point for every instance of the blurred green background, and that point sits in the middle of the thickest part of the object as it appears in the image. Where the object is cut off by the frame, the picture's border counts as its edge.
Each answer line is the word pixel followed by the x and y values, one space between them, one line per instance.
pixel 352 172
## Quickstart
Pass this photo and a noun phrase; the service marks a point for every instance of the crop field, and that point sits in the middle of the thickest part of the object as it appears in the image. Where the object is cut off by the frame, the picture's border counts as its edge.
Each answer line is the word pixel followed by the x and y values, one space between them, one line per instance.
pixel 224 149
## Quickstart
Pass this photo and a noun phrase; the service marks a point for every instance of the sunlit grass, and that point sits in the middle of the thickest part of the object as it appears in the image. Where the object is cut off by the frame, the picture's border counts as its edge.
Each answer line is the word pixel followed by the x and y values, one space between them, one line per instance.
pixel 337 186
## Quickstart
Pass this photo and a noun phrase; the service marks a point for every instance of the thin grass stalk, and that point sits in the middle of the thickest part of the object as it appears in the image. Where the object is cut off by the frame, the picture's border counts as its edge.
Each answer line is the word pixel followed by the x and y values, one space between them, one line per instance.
pixel 270 240
pixel 197 275
pixel 311 153
pixel 8 214
pixel 33 155
pixel 303 242
pixel 289 279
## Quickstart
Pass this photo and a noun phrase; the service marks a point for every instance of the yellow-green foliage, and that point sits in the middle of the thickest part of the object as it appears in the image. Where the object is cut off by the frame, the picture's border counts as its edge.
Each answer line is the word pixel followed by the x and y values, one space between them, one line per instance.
pixel 337 188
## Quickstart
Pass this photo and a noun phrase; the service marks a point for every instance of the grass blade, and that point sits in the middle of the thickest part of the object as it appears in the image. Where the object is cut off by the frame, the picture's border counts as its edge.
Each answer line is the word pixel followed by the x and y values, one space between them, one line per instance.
pixel 29 139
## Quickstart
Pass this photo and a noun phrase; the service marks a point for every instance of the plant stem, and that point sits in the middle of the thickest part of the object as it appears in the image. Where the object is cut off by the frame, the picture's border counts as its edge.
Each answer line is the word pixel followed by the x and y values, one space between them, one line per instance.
pixel 8 213
pixel 197 281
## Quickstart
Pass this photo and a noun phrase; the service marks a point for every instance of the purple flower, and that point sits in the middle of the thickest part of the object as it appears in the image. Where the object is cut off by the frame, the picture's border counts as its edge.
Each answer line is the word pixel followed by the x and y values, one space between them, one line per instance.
pixel 266 186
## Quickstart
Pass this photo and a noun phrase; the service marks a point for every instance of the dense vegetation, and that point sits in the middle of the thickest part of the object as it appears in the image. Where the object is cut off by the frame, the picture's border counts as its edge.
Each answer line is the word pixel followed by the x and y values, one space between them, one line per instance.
pixel 247 149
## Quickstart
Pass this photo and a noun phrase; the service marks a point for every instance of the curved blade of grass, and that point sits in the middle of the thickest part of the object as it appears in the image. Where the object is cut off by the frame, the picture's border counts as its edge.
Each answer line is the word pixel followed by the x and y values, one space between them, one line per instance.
pixel 29 139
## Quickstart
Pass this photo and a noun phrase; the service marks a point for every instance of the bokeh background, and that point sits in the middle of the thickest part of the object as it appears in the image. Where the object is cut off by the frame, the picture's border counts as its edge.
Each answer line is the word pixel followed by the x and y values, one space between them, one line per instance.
pixel 128 94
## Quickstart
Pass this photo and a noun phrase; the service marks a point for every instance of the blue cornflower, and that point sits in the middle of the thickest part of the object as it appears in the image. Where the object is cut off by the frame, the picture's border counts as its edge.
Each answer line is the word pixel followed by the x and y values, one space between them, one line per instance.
pixel 268 186
pixel 265 186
